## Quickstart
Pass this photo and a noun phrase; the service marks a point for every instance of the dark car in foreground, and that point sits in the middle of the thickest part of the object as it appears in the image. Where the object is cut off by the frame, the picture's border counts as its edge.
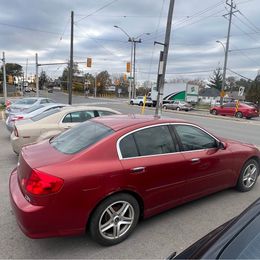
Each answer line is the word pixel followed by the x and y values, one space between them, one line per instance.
pixel 105 174
pixel 239 238
pixel 231 109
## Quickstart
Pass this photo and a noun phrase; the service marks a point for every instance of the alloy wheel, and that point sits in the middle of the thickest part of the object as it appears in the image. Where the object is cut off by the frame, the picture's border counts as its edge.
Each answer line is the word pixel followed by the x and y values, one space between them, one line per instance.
pixel 250 175
pixel 116 220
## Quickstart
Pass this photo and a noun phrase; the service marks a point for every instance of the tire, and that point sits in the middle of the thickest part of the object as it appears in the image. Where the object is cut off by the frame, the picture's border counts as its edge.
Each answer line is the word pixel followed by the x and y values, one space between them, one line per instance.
pixel 214 112
pixel 239 115
pixel 164 107
pixel 131 102
pixel 248 176
pixel 178 109
pixel 108 212
pixel 141 104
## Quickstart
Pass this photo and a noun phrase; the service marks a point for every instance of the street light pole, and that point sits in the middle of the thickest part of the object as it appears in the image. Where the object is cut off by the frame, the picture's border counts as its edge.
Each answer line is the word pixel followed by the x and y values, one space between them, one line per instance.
pixel 133 41
pixel 4 79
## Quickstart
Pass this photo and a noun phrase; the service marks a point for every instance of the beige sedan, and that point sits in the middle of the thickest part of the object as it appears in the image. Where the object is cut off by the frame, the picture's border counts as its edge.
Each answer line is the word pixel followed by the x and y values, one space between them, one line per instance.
pixel 53 122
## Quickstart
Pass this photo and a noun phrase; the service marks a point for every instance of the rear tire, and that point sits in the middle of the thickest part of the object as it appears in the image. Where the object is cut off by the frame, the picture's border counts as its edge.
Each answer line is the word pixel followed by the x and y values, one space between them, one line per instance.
pixel 114 219
pixel 141 104
pixel 248 176
pixel 131 102
pixel 164 107
pixel 178 109
pixel 239 115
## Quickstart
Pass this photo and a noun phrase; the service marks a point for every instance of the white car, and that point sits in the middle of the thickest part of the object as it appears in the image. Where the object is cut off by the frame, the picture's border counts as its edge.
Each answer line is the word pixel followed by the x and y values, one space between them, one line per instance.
pixel 53 122
pixel 139 100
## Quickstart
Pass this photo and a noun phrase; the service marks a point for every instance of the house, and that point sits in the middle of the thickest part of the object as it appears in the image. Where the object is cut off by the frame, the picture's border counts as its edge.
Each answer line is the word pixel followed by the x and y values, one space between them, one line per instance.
pixel 209 95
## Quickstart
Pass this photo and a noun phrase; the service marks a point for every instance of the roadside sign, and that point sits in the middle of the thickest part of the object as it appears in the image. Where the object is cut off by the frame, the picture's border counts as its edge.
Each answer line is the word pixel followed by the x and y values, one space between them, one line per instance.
pixel 130 77
pixel 222 93
pixel 241 91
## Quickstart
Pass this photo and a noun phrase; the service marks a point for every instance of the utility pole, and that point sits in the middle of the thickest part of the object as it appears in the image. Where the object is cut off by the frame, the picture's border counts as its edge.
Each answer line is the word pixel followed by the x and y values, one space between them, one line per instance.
pixel 26 69
pixel 166 44
pixel 4 79
pixel 131 74
pixel 71 59
pixel 230 14
pixel 134 43
pixel 37 76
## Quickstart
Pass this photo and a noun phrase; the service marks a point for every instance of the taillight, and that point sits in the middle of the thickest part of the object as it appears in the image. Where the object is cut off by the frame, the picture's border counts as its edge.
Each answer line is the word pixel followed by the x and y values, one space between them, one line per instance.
pixel 16 132
pixel 7 103
pixel 39 183
pixel 17 118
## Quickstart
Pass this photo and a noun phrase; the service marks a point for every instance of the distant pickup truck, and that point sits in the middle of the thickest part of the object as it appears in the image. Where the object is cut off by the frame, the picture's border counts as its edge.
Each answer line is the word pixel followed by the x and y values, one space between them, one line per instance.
pixel 140 101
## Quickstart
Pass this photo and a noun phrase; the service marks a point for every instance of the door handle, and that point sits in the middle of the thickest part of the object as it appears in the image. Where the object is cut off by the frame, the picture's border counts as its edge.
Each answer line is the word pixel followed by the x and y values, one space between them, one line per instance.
pixel 67 127
pixel 195 160
pixel 138 169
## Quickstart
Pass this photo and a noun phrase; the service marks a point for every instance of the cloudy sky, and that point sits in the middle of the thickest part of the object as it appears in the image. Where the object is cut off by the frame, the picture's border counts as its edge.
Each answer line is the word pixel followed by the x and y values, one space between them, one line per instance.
pixel 42 26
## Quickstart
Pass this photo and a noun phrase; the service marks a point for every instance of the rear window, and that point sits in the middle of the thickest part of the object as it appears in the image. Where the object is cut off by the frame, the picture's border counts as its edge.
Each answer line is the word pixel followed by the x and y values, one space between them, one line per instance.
pixel 33 108
pixel 80 137
pixel 44 114
pixel 26 101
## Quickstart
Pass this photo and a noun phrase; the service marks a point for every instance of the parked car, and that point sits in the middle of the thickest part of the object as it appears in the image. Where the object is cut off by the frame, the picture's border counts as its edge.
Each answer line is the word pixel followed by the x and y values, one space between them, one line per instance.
pixel 29 113
pixel 178 105
pixel 229 109
pixel 140 101
pixel 239 238
pixel 51 123
pixel 25 103
pixel 105 174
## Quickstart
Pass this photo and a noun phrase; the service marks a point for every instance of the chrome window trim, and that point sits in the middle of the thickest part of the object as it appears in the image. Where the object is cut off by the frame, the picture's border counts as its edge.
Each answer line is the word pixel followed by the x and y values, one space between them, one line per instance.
pixel 162 124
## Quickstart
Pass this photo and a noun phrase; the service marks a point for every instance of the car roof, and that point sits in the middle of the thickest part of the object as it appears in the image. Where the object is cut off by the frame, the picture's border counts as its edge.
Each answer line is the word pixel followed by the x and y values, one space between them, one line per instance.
pixel 118 122
pixel 81 107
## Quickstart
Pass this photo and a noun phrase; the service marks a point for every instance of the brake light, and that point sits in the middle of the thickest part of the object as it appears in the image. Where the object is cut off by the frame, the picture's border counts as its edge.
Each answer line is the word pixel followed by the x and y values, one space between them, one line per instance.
pixel 17 118
pixel 39 183
pixel 7 103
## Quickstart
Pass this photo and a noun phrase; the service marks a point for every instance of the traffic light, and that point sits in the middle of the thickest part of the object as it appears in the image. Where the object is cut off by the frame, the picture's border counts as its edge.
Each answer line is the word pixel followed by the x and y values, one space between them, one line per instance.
pixel 125 77
pixel 128 67
pixel 89 62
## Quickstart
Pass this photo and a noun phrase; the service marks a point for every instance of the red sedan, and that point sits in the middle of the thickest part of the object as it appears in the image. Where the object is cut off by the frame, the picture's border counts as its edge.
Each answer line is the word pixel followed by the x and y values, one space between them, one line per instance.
pixel 229 109
pixel 107 173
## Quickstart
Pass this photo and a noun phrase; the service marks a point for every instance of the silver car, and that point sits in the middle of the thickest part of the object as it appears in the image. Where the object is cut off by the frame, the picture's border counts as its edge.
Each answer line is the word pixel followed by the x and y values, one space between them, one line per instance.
pixel 29 113
pixel 24 103
pixel 178 105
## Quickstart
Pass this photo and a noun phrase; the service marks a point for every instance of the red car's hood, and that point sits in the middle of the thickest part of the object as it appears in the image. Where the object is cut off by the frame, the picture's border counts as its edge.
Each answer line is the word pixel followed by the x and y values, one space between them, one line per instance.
pixel 230 141
pixel 42 154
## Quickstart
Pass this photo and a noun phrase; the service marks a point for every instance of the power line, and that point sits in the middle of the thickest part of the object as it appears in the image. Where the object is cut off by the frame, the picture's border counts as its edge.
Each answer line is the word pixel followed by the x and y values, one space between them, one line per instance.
pixel 98 10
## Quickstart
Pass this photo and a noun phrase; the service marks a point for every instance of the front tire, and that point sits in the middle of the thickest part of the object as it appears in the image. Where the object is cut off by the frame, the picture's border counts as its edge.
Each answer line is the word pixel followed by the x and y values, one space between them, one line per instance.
pixel 248 176
pixel 214 112
pixel 114 219
pixel 178 109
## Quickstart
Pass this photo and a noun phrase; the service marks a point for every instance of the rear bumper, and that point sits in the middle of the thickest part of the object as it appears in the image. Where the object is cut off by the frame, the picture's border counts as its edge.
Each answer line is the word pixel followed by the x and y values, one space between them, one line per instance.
pixel 35 221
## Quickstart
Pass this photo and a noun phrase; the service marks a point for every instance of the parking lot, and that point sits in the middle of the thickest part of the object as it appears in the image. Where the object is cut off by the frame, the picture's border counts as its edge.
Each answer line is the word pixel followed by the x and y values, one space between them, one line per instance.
pixel 156 237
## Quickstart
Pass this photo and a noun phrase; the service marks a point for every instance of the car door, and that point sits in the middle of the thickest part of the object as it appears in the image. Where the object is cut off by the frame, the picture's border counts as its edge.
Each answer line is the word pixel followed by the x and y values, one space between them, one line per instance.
pixel 153 163
pixel 228 109
pixel 207 166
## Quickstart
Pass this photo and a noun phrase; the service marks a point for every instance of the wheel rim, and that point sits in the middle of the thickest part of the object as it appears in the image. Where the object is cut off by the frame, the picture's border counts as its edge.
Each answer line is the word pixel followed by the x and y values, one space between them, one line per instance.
pixel 116 220
pixel 214 112
pixel 239 115
pixel 250 175
pixel 178 109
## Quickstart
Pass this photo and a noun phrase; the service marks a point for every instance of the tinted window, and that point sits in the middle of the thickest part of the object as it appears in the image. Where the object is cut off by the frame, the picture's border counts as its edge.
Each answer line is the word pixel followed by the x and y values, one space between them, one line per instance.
pixel 229 105
pixel 44 101
pixel 246 244
pixel 26 101
pixel 78 117
pixel 154 140
pixel 33 108
pixel 44 114
pixel 193 138
pixel 80 137
pixel 128 147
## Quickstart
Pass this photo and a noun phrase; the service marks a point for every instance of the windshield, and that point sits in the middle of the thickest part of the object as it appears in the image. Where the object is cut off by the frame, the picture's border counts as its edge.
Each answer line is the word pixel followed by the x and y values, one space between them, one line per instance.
pixel 80 137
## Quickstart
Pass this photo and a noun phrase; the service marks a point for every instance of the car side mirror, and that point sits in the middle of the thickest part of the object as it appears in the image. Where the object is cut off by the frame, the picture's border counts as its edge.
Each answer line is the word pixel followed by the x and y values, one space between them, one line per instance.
pixel 222 145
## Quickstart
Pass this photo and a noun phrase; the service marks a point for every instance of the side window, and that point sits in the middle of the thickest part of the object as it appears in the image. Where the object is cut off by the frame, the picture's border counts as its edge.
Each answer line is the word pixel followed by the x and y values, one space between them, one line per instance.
pixel 67 119
pixel 154 140
pixel 128 147
pixel 193 138
pixel 81 116
pixel 105 113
